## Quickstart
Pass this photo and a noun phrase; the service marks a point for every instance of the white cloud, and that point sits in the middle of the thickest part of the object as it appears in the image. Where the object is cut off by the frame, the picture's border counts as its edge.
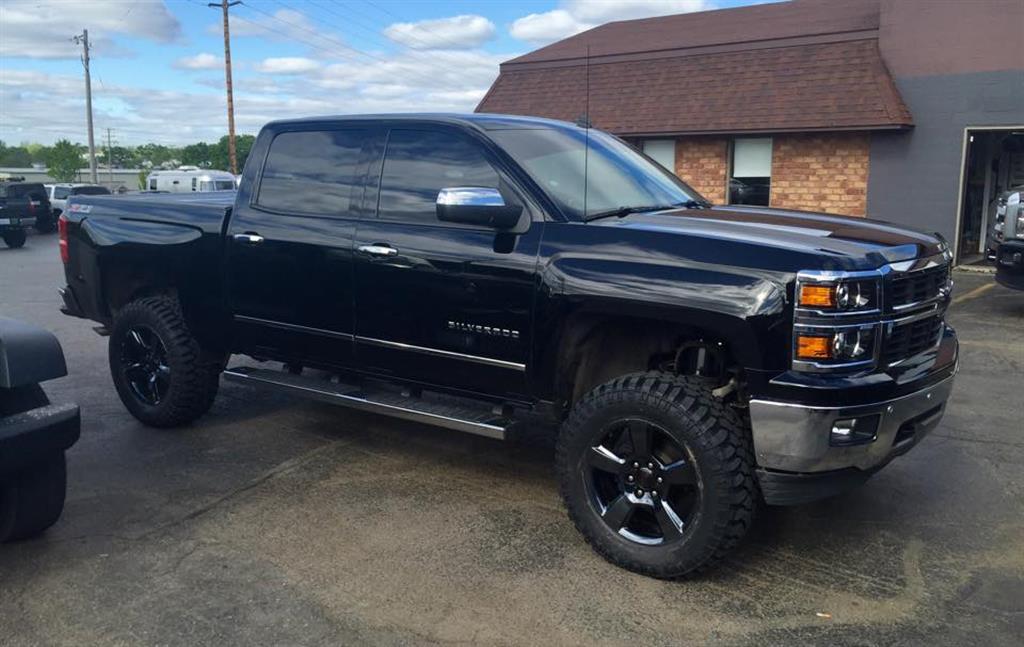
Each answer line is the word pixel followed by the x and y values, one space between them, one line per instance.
pixel 287 65
pixel 575 16
pixel 201 61
pixel 30 29
pixel 457 32
pixel 285 25
pixel 446 81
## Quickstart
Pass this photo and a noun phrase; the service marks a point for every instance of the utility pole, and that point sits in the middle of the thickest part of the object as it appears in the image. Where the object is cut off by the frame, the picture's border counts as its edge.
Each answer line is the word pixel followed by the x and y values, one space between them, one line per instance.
pixel 84 40
pixel 232 157
pixel 110 162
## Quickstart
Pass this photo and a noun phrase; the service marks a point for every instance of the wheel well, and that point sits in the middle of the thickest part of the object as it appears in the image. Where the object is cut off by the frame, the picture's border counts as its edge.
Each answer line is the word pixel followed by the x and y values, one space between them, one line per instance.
pixel 596 349
pixel 124 283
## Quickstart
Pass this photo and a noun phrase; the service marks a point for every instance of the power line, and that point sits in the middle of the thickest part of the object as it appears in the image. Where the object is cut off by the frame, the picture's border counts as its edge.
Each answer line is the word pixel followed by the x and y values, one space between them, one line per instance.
pixel 336 41
pixel 412 52
pixel 397 17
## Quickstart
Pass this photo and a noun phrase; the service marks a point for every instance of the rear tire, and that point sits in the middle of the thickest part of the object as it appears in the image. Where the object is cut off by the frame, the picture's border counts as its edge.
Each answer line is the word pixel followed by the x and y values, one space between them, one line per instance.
pixel 32 499
pixel 657 473
pixel 15 239
pixel 161 374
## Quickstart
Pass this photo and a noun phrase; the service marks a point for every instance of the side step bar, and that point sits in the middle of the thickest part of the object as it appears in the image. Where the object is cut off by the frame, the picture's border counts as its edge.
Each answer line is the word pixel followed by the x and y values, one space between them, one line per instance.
pixel 452 413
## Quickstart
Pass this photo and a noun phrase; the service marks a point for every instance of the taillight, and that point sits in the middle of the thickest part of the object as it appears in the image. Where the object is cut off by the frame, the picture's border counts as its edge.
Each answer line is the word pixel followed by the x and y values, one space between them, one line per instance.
pixel 62 231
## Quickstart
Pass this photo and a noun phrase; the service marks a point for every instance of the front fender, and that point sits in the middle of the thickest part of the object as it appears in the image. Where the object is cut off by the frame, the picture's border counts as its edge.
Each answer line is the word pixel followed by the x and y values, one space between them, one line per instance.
pixel 28 354
pixel 745 308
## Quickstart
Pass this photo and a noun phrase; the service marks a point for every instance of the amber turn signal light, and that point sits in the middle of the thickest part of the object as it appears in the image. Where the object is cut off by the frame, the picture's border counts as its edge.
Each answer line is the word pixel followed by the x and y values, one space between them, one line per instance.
pixel 808 347
pixel 818 296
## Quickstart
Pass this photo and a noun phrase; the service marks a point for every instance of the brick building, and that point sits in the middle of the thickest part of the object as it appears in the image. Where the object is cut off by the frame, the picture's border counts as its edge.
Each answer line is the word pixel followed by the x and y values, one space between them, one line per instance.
pixel 906 110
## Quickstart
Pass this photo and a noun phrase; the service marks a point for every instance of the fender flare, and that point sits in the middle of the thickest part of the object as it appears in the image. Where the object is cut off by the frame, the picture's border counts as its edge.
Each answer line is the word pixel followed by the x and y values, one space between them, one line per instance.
pixel 28 354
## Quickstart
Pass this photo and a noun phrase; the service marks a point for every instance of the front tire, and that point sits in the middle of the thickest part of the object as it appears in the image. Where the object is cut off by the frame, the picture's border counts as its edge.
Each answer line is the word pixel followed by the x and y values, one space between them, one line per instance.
pixel 657 473
pixel 32 499
pixel 161 374
pixel 15 238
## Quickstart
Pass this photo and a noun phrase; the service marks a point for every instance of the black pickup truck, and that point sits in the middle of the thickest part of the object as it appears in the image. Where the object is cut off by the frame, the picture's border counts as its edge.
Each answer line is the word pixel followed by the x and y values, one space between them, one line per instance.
pixel 475 271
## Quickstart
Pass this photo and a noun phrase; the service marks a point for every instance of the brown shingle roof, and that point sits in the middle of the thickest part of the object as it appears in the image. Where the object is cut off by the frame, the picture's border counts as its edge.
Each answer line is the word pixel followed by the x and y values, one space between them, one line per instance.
pixel 841 85
pixel 799 65
pixel 751 24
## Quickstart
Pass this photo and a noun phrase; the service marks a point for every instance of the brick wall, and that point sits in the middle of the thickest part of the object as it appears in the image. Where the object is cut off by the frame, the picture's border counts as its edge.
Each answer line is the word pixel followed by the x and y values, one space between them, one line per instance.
pixel 821 172
pixel 703 162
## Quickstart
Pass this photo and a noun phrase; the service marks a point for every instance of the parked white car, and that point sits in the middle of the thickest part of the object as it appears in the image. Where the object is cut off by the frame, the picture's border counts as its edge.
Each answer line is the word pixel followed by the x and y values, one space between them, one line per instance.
pixel 190 178
pixel 59 193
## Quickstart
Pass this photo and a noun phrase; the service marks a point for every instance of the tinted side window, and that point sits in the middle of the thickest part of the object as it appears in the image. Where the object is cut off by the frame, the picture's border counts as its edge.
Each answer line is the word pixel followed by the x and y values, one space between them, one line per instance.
pixel 61 192
pixel 418 164
pixel 312 172
pixel 90 190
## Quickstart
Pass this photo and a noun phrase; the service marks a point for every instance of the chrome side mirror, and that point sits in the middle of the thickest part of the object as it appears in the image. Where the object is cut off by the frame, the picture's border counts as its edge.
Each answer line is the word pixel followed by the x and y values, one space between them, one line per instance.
pixel 473 205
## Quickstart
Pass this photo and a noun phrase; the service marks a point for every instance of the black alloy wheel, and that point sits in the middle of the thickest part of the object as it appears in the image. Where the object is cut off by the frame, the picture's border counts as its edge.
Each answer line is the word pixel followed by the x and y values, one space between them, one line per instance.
pixel 657 473
pixel 643 484
pixel 144 365
pixel 162 375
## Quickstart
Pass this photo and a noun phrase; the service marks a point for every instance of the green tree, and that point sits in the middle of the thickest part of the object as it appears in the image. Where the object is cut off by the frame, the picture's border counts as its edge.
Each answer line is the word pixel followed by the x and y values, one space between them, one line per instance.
pixel 14 156
pixel 199 154
pixel 64 161
pixel 219 152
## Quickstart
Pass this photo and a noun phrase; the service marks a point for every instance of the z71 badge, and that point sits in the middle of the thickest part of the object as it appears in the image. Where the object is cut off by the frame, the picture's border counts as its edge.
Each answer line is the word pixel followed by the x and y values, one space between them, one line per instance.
pixel 490 331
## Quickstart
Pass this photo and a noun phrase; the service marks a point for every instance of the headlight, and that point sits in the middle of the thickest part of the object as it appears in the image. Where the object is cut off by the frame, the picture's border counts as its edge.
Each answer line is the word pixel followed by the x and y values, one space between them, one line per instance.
pixel 825 347
pixel 837 296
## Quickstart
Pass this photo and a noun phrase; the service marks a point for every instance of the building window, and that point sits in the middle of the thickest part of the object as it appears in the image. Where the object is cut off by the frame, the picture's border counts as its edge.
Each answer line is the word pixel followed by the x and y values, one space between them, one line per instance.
pixel 662 151
pixel 751 179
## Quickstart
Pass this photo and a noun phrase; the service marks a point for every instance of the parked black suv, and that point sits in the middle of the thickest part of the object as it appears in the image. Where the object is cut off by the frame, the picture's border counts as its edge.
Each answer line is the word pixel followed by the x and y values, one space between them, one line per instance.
pixel 21 204
pixel 467 270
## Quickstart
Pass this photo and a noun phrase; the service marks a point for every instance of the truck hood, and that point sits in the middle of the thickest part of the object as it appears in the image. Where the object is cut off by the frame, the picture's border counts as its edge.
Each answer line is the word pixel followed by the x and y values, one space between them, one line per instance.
pixel 850 241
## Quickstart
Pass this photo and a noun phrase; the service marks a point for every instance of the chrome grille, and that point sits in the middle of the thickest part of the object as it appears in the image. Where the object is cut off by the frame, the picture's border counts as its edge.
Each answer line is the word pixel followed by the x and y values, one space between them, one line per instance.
pixel 909 339
pixel 913 288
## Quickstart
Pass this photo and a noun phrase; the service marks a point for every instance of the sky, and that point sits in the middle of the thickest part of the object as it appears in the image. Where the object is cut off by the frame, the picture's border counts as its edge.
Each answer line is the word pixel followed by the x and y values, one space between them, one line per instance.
pixel 158 71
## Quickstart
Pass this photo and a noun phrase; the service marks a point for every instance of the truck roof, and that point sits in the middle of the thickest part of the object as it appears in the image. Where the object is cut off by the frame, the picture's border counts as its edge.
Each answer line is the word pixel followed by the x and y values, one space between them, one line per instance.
pixel 485 121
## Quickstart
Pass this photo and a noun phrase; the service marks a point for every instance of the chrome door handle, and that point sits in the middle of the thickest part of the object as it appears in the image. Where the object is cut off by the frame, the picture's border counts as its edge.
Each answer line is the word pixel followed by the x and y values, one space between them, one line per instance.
pixel 249 239
pixel 378 250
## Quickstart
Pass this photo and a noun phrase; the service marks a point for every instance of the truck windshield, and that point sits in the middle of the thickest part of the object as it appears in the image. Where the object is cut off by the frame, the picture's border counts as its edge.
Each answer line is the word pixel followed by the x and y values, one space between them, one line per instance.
pixel 610 178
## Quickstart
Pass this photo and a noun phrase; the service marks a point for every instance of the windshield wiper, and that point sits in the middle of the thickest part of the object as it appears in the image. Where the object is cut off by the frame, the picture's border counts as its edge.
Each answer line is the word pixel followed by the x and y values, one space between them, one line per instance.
pixel 620 212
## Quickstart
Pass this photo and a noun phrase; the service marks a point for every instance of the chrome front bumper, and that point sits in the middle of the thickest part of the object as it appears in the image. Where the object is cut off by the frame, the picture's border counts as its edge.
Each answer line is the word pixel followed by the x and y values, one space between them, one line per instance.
pixel 797 438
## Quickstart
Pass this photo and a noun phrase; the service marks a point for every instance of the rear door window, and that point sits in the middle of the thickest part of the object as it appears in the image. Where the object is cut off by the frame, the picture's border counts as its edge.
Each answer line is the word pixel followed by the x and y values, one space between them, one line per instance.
pixel 61 192
pixel 419 163
pixel 313 172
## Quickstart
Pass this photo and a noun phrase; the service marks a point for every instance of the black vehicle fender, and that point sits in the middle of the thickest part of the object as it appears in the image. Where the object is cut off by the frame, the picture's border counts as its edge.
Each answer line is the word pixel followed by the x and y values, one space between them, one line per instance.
pixel 136 258
pixel 746 309
pixel 28 354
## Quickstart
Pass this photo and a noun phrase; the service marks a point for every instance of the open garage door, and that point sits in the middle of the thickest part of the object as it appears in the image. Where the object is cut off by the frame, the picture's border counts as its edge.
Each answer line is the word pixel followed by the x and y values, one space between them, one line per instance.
pixel 993 163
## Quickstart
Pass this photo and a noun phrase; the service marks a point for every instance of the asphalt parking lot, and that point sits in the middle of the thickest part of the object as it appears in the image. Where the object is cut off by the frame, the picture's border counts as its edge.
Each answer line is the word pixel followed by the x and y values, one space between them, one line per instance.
pixel 279 521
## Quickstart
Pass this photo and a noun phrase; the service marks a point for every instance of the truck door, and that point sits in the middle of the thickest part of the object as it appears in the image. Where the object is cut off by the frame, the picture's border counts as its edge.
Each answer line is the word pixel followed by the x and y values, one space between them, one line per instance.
pixel 290 274
pixel 443 303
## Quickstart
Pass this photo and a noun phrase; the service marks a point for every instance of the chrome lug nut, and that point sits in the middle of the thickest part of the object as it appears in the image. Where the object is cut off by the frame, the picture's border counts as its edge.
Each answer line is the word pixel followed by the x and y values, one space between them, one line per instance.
pixel 660 479
pixel 630 478
pixel 639 493
pixel 635 464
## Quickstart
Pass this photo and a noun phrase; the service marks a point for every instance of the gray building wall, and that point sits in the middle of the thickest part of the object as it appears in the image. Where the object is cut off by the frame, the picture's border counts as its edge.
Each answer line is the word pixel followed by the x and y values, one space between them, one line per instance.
pixel 914 176
pixel 957 64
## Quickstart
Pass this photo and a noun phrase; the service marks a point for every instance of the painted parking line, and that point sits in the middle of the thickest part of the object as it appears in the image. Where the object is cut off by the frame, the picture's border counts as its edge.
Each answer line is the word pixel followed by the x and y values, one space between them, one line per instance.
pixel 976 292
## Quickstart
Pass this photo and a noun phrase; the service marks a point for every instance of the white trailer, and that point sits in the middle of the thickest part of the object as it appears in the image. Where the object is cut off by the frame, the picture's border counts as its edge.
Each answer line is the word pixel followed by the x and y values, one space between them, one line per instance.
pixel 186 179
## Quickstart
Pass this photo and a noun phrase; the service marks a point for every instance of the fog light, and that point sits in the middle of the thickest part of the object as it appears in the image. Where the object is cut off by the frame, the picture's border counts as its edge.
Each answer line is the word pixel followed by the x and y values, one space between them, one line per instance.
pixel 854 431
